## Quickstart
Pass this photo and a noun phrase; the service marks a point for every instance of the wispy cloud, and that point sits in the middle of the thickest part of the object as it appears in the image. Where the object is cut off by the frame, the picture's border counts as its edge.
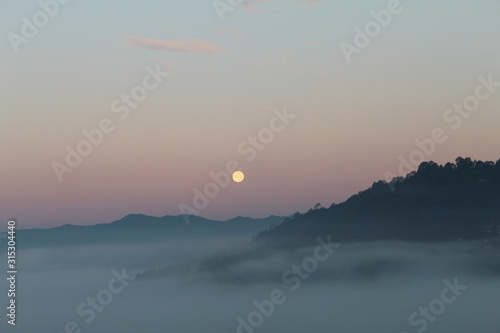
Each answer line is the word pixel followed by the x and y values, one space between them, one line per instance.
pixel 191 45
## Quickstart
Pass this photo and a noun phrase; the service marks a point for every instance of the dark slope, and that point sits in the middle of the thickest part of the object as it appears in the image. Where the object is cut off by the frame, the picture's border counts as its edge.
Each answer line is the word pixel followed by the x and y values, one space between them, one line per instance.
pixel 435 203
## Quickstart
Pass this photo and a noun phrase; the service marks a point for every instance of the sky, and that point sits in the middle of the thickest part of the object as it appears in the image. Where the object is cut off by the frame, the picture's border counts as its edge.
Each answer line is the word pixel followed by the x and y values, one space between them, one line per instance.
pixel 313 100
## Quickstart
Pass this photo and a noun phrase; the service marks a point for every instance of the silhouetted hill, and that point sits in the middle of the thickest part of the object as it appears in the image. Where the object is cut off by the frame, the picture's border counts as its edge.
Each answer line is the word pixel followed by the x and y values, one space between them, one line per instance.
pixel 436 203
pixel 143 228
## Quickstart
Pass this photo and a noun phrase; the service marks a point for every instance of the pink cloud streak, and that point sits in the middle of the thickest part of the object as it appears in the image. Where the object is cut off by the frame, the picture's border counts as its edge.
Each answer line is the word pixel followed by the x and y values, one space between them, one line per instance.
pixel 191 45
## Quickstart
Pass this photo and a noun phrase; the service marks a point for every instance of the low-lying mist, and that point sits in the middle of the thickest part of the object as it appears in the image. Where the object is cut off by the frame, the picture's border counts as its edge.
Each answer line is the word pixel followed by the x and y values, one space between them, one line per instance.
pixel 216 286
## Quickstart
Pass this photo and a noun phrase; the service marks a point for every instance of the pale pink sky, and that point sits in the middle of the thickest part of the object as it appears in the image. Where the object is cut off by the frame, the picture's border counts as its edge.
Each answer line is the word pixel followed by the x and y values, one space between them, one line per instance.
pixel 353 120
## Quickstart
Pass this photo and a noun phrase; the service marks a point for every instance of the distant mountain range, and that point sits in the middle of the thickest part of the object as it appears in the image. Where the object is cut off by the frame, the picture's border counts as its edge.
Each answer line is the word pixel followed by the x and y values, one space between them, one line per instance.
pixel 455 201
pixel 436 203
pixel 143 228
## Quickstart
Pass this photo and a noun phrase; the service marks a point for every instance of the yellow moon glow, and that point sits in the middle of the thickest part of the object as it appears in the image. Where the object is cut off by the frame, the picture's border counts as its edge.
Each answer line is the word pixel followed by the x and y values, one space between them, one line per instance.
pixel 238 176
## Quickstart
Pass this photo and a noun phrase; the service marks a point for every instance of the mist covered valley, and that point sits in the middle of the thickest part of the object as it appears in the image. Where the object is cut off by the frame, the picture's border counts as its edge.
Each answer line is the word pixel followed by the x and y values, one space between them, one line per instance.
pixel 232 285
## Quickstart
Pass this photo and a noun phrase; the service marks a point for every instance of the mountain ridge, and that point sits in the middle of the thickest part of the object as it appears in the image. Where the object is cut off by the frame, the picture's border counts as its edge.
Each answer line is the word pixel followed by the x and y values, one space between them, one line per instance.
pixel 435 203
pixel 143 228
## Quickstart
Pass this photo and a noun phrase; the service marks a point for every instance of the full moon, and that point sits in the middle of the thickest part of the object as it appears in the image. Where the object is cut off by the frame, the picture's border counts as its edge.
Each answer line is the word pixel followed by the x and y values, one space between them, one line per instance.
pixel 238 176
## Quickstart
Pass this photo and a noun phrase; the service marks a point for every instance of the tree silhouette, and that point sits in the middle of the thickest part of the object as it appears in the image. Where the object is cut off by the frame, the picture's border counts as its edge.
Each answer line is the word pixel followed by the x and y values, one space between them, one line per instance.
pixel 435 203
